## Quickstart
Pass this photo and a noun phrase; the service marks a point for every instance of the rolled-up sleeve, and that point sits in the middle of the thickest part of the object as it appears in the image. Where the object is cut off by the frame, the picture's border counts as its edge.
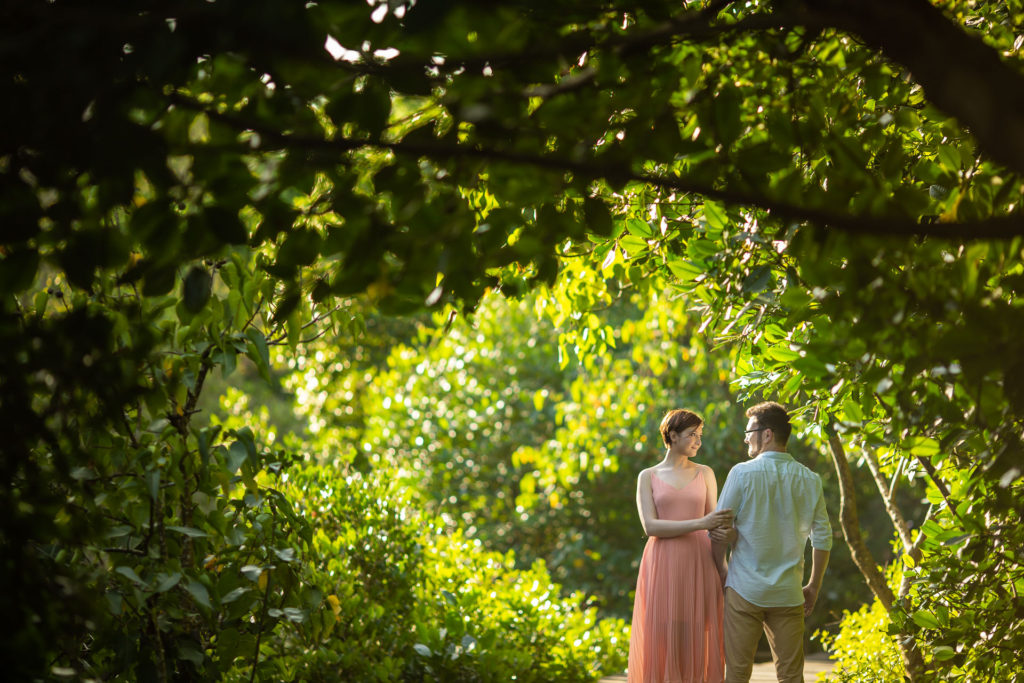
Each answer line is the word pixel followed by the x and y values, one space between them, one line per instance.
pixel 821 529
pixel 727 498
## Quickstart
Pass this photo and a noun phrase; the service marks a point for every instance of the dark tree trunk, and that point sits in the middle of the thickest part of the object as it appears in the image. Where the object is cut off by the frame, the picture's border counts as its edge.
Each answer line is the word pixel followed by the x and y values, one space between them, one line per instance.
pixel 961 75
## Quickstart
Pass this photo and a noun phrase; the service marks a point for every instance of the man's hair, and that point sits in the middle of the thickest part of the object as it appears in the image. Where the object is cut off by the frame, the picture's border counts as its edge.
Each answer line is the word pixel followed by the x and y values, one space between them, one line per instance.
pixel 773 416
pixel 677 421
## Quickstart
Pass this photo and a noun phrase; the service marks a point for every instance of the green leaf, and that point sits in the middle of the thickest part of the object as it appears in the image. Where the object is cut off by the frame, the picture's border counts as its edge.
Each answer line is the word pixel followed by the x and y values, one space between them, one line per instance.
pixel 781 353
pixel 759 279
pixel 252 572
pixel 728 104
pixel 288 303
pixel 715 215
pixel 197 286
pixel 684 270
pixel 286 554
pixel 949 158
pixel 189 531
pixel 773 333
pixel 922 446
pixel 237 454
pixel 701 249
pixel 258 352
pixel 189 652
pixel 153 483
pixel 114 602
pixel 640 228
pixel 168 582
pixel 294 614
pixel 40 300
pixel 925 619
pixel 129 573
pixel 852 410
pixel 159 281
pixel 198 592
pixel 634 246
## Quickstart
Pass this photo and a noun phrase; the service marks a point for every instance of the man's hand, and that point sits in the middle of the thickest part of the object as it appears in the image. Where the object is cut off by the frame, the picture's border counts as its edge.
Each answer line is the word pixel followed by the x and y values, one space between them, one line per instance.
pixel 726 535
pixel 819 560
pixel 810 597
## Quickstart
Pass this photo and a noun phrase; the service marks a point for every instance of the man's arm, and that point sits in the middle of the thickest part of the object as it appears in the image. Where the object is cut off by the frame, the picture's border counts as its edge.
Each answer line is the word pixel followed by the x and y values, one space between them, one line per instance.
pixel 722 538
pixel 821 544
pixel 819 560
pixel 718 553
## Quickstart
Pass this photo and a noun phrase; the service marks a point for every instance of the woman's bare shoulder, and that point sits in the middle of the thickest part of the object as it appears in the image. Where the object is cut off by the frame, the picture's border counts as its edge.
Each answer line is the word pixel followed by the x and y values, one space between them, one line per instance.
pixel 645 473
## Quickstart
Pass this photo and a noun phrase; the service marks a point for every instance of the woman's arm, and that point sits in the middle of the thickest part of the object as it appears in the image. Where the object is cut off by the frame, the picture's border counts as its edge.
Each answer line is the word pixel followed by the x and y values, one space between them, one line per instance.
pixel 670 528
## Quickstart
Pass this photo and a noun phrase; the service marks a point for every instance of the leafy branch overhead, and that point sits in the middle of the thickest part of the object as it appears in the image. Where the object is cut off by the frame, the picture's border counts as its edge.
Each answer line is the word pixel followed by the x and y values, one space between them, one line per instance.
pixel 225 119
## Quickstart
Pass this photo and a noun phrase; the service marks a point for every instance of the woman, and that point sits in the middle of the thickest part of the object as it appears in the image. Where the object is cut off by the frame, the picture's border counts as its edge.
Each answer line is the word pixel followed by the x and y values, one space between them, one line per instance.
pixel 677 614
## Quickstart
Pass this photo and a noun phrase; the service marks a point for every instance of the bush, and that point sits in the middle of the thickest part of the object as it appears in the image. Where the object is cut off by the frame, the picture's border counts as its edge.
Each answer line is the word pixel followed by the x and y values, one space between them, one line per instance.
pixel 863 650
pixel 392 597
pixel 483 620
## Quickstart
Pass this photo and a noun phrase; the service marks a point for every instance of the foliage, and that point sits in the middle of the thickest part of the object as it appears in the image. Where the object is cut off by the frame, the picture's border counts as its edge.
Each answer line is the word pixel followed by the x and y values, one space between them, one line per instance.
pixel 863 649
pixel 985 556
pixel 184 185
pixel 391 596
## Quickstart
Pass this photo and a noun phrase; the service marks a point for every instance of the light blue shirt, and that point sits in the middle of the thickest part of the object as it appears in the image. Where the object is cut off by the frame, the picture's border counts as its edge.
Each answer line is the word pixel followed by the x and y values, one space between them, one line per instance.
pixel 778 503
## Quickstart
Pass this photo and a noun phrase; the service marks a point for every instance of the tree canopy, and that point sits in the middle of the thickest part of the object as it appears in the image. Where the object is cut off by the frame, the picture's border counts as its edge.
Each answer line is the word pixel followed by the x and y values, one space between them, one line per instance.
pixel 832 186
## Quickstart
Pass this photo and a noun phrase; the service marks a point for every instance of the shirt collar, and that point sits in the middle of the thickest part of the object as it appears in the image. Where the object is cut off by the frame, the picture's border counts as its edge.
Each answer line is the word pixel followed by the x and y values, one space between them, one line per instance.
pixel 775 455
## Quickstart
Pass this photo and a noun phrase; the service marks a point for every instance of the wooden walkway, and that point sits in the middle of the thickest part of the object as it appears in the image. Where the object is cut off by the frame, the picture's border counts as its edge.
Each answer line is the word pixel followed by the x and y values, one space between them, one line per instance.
pixel 765 671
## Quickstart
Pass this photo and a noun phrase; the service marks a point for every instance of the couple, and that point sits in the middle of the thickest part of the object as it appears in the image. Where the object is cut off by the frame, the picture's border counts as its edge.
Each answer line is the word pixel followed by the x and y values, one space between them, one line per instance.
pixel 685 630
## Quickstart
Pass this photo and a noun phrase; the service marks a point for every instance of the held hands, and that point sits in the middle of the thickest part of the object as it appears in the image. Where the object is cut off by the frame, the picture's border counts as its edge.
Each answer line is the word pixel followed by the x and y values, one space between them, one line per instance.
pixel 718 518
pixel 726 535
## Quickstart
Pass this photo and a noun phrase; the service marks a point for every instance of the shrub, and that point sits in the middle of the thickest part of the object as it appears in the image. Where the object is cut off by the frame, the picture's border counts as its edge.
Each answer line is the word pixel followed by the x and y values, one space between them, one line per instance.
pixel 386 595
pixel 862 649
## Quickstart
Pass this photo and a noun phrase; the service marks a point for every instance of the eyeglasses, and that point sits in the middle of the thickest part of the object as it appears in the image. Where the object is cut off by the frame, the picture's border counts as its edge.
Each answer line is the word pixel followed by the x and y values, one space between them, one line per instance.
pixel 759 429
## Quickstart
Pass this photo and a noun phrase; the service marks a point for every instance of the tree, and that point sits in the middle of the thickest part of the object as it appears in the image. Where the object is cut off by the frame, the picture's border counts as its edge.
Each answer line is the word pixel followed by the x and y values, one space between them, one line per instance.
pixel 858 242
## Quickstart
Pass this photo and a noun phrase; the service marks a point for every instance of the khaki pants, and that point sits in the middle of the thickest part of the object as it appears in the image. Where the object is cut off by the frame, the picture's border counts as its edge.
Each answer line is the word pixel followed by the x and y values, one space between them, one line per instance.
pixel 784 627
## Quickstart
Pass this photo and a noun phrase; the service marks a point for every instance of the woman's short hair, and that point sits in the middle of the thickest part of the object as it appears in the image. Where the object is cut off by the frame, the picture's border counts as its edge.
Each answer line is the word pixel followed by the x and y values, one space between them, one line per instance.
pixel 677 421
pixel 774 417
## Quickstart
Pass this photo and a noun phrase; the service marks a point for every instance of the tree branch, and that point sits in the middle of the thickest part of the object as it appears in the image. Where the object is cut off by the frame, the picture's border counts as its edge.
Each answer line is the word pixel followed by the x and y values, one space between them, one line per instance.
pixel 850 523
pixel 890 505
pixel 997 227
pixel 862 557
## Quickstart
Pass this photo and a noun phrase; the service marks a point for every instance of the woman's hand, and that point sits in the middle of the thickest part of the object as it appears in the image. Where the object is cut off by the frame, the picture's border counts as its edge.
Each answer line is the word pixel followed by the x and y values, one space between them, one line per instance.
pixel 718 518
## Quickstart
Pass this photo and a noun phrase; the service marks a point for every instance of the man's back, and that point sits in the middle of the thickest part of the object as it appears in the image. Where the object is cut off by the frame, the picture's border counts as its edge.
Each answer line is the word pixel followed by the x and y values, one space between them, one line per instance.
pixel 777 504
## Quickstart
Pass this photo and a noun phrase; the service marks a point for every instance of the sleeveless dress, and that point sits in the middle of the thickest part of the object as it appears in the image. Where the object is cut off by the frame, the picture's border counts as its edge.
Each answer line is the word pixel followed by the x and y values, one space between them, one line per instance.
pixel 676 635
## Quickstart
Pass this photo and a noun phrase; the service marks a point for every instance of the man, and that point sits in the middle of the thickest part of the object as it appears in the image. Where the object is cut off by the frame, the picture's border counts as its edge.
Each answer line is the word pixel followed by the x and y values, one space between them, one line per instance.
pixel 777 504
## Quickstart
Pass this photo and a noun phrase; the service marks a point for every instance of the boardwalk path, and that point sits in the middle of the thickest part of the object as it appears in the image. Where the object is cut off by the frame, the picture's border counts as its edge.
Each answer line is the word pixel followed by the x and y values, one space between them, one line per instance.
pixel 765 672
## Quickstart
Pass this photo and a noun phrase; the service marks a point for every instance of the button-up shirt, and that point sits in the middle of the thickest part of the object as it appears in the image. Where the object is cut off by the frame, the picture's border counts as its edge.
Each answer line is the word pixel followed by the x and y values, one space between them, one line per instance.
pixel 778 503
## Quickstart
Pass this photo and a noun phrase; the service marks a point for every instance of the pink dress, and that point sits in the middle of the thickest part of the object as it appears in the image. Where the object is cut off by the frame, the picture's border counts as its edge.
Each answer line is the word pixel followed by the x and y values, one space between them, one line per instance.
pixel 677 614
